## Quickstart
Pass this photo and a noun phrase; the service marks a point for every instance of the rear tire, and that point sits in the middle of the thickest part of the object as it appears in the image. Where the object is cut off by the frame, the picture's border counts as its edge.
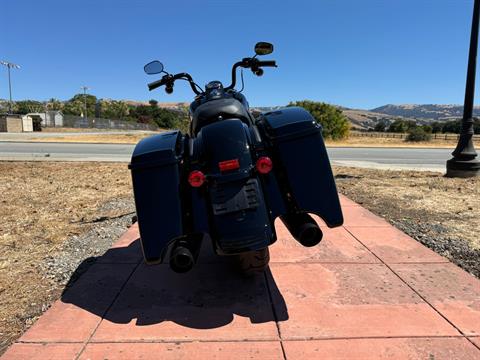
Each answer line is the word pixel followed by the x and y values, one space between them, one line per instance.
pixel 253 262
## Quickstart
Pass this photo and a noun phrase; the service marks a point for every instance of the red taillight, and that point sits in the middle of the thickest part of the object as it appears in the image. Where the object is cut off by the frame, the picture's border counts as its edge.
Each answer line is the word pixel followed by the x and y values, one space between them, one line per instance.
pixel 196 178
pixel 264 165
pixel 229 165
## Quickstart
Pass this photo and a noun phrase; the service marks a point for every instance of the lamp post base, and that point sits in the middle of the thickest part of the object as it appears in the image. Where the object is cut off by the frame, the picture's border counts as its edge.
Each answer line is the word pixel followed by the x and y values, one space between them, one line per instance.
pixel 463 168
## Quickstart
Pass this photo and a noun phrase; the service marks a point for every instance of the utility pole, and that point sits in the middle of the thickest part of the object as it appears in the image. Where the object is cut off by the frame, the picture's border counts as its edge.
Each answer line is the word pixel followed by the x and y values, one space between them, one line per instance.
pixel 464 163
pixel 85 88
pixel 9 66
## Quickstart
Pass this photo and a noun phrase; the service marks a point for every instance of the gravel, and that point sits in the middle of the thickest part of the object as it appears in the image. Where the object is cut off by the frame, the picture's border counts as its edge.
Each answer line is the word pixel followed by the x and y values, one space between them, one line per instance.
pixel 441 213
pixel 83 250
pixel 434 237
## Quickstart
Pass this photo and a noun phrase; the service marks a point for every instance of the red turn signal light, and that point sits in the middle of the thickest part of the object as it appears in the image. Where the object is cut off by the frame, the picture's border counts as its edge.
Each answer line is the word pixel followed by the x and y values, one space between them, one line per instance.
pixel 264 165
pixel 196 178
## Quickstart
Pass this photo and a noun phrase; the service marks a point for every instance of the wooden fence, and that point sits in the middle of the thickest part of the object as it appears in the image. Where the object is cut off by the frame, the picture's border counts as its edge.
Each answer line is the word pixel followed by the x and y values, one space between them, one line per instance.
pixel 404 135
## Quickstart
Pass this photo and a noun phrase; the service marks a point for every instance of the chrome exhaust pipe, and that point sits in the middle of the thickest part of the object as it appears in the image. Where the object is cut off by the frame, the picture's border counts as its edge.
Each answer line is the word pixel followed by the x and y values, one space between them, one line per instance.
pixel 303 228
pixel 184 253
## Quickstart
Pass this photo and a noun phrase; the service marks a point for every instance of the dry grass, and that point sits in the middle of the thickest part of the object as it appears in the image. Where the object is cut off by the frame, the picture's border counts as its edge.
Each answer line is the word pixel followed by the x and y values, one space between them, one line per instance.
pixel 95 138
pixel 353 141
pixel 426 199
pixel 75 130
pixel 42 204
pixel 356 141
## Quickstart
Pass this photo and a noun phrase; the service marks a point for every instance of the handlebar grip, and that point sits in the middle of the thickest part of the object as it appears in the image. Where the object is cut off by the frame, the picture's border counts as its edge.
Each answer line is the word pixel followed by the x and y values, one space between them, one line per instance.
pixel 155 84
pixel 271 63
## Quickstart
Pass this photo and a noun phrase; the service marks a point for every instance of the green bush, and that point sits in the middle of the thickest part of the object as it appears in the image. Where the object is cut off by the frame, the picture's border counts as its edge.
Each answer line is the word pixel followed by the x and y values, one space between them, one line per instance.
pixel 418 134
pixel 401 126
pixel 335 124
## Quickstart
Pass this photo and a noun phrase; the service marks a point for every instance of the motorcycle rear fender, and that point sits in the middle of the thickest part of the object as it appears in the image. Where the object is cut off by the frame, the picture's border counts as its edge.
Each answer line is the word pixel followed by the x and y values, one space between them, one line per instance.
pixel 237 212
pixel 301 165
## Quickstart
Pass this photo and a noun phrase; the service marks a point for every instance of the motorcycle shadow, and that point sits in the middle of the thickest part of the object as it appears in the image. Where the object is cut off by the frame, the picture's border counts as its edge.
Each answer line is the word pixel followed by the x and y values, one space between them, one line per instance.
pixel 209 296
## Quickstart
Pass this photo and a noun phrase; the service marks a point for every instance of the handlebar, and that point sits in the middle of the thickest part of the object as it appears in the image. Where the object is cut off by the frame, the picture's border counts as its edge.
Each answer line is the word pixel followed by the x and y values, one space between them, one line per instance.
pixel 156 84
pixel 271 63
pixel 169 80
pixel 251 63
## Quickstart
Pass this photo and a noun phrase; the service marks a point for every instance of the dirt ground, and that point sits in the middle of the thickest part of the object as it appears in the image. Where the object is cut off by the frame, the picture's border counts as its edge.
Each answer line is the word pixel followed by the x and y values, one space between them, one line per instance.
pixel 356 141
pixel 55 215
pixel 94 138
pixel 46 208
pixel 441 213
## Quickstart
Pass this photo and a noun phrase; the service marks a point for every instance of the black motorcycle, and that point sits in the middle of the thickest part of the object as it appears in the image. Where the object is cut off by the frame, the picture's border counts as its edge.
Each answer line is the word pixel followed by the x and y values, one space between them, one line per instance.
pixel 231 176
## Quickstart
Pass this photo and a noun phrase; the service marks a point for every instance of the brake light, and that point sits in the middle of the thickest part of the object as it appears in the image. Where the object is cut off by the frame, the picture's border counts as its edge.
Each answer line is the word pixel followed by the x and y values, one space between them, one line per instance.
pixel 196 178
pixel 264 165
pixel 229 165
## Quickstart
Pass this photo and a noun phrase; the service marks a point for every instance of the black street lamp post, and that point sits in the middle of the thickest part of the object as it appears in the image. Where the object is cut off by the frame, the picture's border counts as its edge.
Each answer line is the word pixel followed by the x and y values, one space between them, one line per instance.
pixel 9 66
pixel 464 162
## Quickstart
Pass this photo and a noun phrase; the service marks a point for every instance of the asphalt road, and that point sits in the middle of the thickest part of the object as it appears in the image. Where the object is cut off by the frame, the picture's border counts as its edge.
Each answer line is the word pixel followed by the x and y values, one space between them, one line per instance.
pixel 394 158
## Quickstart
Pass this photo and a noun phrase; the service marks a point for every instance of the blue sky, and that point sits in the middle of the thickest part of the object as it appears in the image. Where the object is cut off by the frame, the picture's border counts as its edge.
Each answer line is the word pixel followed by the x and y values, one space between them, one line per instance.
pixel 354 53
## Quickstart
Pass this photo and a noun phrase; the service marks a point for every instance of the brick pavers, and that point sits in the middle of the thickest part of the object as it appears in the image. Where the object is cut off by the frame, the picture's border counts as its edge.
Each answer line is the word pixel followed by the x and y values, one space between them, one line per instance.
pixel 368 291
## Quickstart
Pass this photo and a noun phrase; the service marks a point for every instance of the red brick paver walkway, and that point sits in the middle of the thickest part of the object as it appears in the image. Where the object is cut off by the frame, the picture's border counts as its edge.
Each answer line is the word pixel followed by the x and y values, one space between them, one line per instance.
pixel 368 291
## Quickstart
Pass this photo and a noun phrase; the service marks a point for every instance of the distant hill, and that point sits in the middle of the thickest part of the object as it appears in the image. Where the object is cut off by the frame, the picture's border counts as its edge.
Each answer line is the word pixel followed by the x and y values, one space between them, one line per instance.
pixel 429 111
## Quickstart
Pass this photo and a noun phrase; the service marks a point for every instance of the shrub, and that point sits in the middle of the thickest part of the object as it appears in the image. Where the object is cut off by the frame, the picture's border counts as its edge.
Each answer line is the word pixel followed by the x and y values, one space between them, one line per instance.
pixel 335 124
pixel 418 134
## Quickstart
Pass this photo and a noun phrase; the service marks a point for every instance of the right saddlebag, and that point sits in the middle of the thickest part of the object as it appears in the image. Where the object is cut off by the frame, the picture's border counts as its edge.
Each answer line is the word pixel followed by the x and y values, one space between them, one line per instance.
pixel 301 162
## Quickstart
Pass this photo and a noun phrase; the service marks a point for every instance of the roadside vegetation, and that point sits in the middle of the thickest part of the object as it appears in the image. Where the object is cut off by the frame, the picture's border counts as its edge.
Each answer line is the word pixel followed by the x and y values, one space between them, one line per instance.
pixel 335 124
pixel 418 132
pixel 142 113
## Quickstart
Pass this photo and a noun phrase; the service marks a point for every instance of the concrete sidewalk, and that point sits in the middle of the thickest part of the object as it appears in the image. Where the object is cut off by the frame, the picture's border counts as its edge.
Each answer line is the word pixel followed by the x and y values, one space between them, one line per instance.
pixel 368 291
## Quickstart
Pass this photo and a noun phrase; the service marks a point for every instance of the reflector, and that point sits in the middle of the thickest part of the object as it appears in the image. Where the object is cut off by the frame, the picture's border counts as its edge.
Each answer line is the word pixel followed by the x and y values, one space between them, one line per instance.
pixel 196 178
pixel 229 165
pixel 264 165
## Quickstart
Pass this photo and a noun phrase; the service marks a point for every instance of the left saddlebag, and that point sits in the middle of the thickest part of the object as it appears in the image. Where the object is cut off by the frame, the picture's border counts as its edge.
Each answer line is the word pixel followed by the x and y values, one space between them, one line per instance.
pixel 156 177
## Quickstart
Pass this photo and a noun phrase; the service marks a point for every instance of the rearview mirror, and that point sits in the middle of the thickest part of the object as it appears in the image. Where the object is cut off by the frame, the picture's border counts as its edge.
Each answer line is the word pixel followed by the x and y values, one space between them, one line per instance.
pixel 263 48
pixel 154 67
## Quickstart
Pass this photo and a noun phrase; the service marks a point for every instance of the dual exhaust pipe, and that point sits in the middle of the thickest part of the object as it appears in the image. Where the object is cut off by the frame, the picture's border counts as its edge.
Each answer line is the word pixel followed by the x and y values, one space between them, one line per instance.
pixel 303 228
pixel 184 252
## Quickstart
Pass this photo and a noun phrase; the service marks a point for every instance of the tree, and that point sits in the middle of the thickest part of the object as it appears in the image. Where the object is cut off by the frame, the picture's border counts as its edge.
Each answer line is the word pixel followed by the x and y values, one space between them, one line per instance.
pixel 335 124
pixel 401 126
pixel 427 128
pixel 163 118
pixel 76 105
pixel 380 126
pixel 54 104
pixel 453 127
pixel 437 127
pixel 29 106
pixel 113 109
pixel 418 134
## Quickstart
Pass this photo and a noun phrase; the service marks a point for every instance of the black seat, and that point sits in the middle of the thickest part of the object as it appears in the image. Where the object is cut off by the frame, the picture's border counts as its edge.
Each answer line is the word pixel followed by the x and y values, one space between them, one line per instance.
pixel 226 108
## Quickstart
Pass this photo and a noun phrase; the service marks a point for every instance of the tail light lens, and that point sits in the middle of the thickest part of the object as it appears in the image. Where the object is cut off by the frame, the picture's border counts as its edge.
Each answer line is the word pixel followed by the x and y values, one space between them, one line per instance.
pixel 264 165
pixel 196 178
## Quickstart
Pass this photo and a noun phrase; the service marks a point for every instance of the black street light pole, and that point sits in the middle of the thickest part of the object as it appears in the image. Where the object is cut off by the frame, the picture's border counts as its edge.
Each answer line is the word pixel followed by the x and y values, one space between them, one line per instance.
pixel 10 65
pixel 464 162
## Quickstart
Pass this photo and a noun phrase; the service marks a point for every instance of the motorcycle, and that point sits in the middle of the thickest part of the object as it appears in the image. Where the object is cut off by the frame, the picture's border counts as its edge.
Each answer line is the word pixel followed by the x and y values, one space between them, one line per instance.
pixel 231 176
